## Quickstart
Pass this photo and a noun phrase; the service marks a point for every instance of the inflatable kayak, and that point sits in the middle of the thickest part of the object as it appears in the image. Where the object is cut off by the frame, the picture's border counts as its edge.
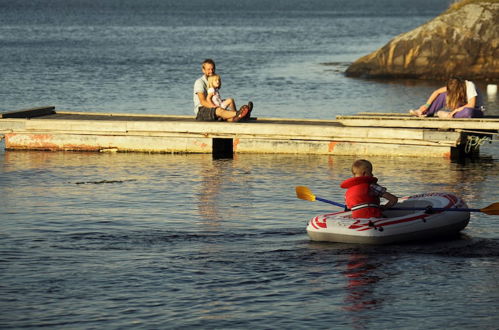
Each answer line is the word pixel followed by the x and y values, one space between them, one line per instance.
pixel 433 218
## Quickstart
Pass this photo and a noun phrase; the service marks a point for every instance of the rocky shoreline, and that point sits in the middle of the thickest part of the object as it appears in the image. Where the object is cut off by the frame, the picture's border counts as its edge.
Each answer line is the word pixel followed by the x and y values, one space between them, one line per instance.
pixel 462 41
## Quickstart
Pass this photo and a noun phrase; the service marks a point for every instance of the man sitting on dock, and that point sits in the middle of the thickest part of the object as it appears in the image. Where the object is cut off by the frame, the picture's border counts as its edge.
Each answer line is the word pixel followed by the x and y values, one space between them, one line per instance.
pixel 203 108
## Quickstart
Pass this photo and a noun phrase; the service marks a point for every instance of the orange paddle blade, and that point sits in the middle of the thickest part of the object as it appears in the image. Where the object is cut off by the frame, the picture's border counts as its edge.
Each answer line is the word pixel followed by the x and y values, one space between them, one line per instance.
pixel 492 209
pixel 303 192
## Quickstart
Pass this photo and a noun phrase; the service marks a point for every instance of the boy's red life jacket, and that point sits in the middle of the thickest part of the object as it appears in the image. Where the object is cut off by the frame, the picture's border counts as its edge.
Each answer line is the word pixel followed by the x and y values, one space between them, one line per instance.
pixel 359 199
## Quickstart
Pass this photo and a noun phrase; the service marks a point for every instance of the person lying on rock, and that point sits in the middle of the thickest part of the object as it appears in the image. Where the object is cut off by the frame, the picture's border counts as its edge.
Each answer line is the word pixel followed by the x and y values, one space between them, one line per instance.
pixel 458 99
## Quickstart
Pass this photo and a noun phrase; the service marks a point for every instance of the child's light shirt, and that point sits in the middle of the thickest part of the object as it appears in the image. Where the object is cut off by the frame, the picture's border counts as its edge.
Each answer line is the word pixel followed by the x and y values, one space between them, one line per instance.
pixel 216 99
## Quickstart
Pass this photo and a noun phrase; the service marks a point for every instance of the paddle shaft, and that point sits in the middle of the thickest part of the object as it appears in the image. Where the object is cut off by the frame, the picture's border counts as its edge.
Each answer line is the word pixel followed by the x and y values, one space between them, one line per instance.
pixel 434 209
pixel 305 193
pixel 429 209
pixel 330 202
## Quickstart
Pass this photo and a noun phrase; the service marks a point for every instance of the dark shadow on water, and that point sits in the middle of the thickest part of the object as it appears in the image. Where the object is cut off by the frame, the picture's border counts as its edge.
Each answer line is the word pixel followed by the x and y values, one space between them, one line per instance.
pixel 460 245
pixel 470 162
pixel 369 269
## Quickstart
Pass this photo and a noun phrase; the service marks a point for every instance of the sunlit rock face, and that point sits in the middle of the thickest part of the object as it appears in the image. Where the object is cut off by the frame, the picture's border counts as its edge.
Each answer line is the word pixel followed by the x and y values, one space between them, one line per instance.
pixel 463 41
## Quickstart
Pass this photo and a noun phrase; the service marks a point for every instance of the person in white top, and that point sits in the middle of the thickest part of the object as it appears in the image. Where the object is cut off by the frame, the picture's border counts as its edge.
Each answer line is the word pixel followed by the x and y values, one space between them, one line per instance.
pixel 458 99
pixel 204 109
pixel 214 85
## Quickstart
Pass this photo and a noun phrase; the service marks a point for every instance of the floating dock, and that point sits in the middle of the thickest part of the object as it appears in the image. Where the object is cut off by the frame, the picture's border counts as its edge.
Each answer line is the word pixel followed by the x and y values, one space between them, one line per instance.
pixel 387 134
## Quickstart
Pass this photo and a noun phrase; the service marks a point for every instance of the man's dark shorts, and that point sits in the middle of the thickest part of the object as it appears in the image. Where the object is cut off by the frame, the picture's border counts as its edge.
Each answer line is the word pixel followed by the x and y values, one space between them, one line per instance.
pixel 206 114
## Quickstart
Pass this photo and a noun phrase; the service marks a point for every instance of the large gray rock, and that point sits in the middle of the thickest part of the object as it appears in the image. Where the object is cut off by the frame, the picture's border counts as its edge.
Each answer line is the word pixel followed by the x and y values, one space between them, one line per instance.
pixel 461 42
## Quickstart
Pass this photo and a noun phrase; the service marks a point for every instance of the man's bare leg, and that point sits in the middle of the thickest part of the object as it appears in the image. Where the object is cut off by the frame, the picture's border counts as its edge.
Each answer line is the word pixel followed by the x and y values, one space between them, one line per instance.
pixel 225 114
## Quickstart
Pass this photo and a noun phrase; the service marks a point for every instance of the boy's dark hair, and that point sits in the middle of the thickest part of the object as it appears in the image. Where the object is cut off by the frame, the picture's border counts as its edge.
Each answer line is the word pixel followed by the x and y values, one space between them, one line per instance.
pixel 362 165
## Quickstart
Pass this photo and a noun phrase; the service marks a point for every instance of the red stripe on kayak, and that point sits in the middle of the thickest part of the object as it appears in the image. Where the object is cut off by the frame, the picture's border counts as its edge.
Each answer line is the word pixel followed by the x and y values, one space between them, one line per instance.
pixel 395 222
pixel 313 224
pixel 452 201
pixel 320 224
pixel 356 225
pixel 359 226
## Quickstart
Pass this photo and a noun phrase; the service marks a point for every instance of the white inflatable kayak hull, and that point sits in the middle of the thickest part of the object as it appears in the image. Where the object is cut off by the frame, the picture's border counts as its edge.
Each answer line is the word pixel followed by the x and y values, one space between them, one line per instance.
pixel 396 225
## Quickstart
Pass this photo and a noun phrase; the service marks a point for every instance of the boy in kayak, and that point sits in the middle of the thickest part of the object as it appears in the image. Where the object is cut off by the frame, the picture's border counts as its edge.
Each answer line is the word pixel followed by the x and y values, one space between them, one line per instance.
pixel 363 193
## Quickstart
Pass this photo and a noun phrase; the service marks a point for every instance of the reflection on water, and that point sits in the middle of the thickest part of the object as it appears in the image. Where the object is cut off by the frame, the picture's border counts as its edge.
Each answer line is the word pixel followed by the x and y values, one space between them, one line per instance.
pixel 211 175
pixel 220 243
pixel 220 182
pixel 361 281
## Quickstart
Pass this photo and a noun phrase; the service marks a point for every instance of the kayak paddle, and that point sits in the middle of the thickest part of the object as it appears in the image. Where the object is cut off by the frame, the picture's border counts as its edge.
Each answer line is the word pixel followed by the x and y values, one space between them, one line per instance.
pixel 305 193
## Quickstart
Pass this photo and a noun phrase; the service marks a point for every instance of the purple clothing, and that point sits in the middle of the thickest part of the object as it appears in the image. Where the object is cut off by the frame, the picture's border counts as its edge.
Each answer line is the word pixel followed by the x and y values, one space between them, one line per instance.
pixel 469 113
pixel 439 104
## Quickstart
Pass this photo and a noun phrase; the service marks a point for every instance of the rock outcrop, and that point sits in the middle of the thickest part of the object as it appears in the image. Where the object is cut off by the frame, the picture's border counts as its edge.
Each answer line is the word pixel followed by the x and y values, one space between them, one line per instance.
pixel 463 41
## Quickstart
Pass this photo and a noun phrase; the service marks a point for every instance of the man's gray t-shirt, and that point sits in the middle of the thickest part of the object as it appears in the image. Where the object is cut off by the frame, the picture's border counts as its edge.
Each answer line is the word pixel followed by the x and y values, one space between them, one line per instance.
pixel 200 86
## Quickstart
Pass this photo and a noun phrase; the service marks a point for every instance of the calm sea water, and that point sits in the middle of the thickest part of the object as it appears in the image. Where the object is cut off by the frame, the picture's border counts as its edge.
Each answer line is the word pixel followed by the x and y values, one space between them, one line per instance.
pixel 184 241
pixel 143 56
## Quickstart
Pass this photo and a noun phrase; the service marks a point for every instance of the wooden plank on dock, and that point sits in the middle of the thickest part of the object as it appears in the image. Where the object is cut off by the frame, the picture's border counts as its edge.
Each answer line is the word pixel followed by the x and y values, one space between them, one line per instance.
pixel 262 129
pixel 200 144
pixel 384 114
pixel 418 122
pixel 64 130
pixel 29 113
